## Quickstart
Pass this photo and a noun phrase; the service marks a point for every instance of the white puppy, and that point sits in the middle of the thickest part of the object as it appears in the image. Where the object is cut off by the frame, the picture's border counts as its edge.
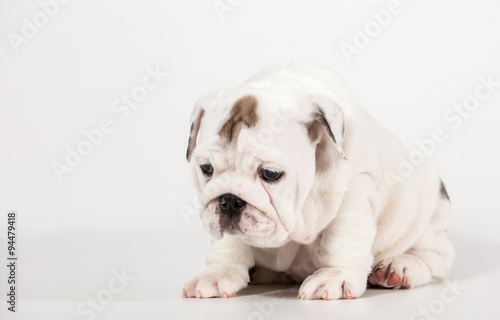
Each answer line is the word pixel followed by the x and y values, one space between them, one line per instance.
pixel 297 179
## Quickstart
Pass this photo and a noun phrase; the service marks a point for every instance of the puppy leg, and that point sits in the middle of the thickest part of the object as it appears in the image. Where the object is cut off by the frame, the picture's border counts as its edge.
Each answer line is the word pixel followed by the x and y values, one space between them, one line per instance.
pixel 428 260
pixel 226 272
pixel 344 255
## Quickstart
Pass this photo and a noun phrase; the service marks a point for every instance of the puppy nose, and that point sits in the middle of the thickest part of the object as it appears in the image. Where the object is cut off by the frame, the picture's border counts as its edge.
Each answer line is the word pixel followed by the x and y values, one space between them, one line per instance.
pixel 230 204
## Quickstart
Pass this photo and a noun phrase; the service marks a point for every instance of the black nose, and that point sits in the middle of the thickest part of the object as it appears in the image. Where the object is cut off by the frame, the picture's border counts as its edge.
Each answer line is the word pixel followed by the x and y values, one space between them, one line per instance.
pixel 231 205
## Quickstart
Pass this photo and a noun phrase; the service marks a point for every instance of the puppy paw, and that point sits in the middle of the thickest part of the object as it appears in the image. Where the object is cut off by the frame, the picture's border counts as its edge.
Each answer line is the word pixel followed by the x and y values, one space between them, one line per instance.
pixel 393 273
pixel 216 281
pixel 332 284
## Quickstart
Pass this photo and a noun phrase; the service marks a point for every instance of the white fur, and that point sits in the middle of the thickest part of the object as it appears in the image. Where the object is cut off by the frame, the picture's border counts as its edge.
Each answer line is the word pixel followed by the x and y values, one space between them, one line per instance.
pixel 330 221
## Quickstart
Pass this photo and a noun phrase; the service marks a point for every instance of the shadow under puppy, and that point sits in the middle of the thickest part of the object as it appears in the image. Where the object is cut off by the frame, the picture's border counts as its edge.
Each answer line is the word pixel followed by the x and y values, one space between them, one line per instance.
pixel 295 177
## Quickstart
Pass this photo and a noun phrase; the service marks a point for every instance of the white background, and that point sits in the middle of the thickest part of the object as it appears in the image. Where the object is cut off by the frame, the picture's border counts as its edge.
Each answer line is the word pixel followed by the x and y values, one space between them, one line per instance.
pixel 129 203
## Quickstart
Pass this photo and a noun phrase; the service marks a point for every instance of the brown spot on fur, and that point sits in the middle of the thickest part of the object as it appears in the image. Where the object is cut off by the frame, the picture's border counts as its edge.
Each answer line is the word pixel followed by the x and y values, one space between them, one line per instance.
pixel 244 112
pixel 313 130
pixel 442 190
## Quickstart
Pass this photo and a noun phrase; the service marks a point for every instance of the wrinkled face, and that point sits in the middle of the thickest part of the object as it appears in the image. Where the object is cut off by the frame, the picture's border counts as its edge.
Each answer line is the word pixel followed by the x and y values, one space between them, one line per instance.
pixel 254 167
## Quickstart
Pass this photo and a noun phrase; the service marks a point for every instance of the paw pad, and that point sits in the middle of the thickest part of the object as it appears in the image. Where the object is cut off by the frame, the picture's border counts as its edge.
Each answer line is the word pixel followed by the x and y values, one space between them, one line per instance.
pixel 389 277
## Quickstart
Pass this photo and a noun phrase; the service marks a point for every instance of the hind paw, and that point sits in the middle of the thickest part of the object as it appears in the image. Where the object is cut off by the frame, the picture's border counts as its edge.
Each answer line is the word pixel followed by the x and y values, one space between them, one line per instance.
pixel 391 275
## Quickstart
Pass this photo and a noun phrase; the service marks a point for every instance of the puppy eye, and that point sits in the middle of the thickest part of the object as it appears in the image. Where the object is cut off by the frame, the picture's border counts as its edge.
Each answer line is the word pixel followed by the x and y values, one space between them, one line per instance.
pixel 207 169
pixel 271 175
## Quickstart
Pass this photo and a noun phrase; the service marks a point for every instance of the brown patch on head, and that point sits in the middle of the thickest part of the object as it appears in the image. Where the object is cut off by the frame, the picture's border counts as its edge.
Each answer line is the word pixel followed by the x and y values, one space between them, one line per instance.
pixel 244 112
pixel 442 190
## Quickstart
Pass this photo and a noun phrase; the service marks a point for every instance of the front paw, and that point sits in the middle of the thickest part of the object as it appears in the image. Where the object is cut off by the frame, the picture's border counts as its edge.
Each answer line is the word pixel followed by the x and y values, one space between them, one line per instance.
pixel 332 284
pixel 216 281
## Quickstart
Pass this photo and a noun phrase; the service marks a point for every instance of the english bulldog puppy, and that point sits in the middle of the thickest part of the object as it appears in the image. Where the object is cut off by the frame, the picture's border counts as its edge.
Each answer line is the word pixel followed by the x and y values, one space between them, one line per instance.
pixel 296 179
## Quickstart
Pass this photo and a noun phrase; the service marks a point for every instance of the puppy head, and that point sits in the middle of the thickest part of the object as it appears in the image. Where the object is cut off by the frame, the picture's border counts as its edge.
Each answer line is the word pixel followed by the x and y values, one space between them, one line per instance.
pixel 255 161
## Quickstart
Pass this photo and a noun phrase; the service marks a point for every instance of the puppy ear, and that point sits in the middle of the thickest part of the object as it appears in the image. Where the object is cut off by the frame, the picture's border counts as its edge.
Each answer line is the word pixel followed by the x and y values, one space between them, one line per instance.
pixel 195 128
pixel 327 116
pixel 205 103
